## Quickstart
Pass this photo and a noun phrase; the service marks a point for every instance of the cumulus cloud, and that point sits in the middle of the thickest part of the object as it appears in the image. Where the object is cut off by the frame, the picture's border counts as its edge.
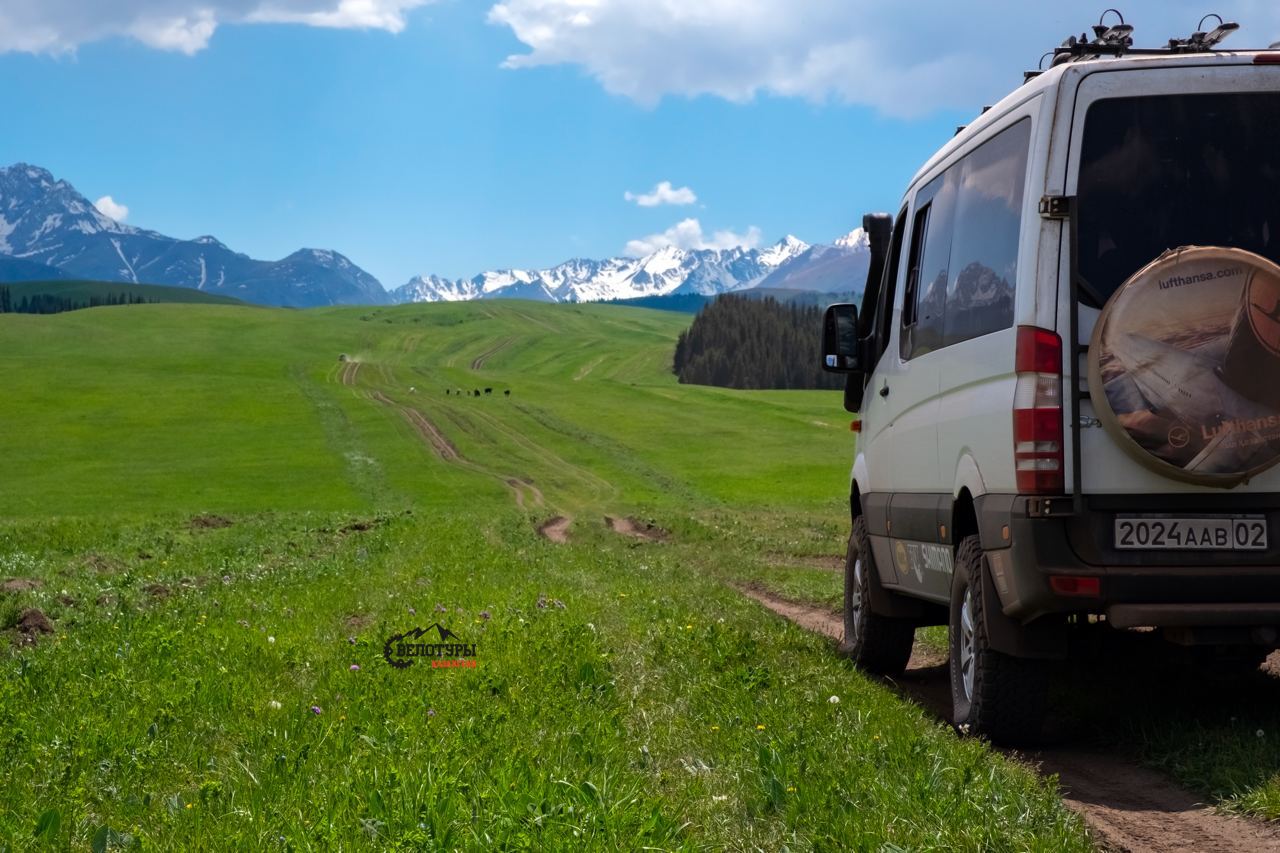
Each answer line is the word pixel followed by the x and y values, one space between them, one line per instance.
pixel 688 234
pixel 60 26
pixel 902 61
pixel 109 207
pixel 663 193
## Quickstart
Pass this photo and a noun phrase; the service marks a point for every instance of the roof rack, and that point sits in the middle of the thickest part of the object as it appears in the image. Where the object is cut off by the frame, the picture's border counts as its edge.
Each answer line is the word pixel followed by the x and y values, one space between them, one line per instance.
pixel 1117 40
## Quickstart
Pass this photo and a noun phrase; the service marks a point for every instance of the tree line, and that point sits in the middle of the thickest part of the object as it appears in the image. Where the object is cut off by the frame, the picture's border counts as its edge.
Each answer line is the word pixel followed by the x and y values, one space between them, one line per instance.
pixel 738 342
pixel 49 303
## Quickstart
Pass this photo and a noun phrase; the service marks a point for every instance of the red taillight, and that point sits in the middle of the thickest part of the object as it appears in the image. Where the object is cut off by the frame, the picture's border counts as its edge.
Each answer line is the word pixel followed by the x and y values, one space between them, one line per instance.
pixel 1076 586
pixel 1267 59
pixel 855 425
pixel 1037 412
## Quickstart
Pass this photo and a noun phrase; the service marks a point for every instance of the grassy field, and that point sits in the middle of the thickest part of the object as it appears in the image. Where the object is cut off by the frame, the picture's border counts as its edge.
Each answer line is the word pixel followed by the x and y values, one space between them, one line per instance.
pixel 224 524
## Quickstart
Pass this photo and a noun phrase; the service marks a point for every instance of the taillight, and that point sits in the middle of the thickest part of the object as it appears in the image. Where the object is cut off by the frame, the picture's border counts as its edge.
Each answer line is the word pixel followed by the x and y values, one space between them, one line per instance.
pixel 1037 412
pixel 1267 59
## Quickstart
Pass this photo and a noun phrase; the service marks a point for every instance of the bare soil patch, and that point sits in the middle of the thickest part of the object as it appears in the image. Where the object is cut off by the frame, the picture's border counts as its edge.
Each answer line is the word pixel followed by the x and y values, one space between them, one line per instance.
pixel 31 625
pixel 21 584
pixel 357 621
pixel 636 528
pixel 555 529
pixel 1126 806
pixel 478 362
pixel 157 590
pixel 208 521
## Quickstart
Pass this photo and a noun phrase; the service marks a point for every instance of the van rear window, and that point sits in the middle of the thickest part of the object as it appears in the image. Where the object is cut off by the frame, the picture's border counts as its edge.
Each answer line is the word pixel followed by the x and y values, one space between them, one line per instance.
pixel 1159 172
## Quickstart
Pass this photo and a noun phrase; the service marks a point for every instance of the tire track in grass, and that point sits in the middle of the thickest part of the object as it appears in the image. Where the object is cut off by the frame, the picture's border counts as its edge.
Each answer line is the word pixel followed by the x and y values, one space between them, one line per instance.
pixel 478 362
pixel 1126 807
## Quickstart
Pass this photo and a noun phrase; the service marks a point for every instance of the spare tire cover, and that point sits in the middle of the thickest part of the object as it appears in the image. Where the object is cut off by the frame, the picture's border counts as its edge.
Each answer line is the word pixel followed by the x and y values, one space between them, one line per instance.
pixel 1184 365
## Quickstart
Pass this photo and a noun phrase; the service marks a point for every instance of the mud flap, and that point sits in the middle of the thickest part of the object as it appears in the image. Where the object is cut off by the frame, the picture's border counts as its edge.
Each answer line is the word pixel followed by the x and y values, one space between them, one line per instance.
pixel 1044 638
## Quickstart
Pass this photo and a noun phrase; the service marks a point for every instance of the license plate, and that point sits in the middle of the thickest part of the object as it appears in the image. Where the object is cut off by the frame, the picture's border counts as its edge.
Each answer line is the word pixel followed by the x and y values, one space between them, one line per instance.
pixel 1171 533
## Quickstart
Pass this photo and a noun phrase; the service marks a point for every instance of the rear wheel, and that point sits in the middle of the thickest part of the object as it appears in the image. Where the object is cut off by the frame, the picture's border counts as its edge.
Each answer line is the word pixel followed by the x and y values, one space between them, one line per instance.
pixel 877 644
pixel 993 695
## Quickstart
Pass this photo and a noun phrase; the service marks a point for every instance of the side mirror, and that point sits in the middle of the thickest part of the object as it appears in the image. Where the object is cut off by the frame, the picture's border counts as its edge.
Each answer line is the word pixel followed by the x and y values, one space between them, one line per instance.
pixel 841 352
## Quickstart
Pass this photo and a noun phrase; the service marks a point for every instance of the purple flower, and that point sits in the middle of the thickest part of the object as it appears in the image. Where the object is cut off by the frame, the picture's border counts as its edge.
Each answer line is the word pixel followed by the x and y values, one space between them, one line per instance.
pixel 431 712
pixel 315 709
pixel 486 615
pixel 440 608
pixel 355 667
pixel 542 602
pixel 351 640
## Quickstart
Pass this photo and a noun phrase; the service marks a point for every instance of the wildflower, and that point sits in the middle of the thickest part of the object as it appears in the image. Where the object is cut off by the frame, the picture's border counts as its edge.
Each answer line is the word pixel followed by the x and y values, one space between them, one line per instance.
pixel 188 805
pixel 688 627
pixel 342 716
pixel 760 727
pixel 834 700
pixel 351 640
pixel 791 789
pixel 559 604
pixel 440 608
pixel 715 728
pixel 542 602
pixel 486 615
pixel 271 639
pixel 431 712
pixel 316 709
pixel 355 667
pixel 273 705
pixel 413 612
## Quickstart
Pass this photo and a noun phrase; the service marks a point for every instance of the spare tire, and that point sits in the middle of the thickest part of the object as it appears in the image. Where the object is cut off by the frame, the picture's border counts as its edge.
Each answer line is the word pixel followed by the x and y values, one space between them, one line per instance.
pixel 1184 365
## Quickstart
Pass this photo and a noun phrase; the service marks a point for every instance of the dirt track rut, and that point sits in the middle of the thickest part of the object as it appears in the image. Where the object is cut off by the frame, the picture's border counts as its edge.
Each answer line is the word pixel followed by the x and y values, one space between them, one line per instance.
pixel 1126 807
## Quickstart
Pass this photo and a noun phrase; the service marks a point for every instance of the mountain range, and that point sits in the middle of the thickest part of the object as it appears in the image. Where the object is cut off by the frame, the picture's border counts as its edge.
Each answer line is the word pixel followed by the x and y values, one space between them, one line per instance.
pixel 45 223
pixel 48 230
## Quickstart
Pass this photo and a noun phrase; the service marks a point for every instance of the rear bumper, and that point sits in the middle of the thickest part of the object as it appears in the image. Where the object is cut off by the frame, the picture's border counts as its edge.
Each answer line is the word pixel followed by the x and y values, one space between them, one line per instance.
pixel 1026 545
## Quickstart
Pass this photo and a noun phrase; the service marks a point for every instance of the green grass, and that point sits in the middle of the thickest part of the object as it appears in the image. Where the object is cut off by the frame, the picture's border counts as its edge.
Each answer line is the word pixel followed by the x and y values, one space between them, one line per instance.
pixel 645 703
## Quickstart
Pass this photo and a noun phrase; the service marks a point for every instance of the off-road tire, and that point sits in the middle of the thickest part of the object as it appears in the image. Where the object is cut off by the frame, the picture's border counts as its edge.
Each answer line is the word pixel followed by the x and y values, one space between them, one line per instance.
pixel 1007 697
pixel 880 645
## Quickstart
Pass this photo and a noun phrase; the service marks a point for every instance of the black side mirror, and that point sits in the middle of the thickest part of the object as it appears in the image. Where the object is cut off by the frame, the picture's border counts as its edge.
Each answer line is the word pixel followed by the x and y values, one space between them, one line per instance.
pixel 841 352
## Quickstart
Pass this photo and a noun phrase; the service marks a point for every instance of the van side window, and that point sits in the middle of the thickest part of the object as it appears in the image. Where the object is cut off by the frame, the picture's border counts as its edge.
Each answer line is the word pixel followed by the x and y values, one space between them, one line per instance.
pixel 926 297
pixel 984 248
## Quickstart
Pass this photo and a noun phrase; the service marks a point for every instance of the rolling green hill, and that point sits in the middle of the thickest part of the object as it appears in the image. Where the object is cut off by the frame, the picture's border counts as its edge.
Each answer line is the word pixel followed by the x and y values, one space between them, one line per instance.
pixel 228 514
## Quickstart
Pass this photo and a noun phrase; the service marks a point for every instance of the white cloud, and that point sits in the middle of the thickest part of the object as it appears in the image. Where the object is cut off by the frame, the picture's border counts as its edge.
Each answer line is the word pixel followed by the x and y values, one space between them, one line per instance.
pixel 111 208
pixel 60 26
pixel 901 59
pixel 688 234
pixel 663 193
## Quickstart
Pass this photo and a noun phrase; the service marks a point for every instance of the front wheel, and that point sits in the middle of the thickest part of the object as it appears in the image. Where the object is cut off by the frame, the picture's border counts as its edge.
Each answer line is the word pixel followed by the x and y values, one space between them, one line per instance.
pixel 993 695
pixel 877 644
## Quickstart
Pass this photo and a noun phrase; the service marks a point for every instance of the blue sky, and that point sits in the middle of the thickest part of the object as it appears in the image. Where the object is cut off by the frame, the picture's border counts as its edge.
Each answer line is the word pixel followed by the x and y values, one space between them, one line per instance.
pixel 403 141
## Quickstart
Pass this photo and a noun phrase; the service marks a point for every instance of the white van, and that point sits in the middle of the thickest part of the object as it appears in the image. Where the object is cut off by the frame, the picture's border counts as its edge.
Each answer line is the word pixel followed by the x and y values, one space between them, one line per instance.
pixel 1067 366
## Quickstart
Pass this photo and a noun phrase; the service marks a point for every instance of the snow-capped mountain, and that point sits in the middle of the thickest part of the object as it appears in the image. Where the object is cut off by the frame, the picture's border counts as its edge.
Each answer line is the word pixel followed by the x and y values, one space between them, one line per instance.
pixel 45 221
pixel 840 267
pixel 670 270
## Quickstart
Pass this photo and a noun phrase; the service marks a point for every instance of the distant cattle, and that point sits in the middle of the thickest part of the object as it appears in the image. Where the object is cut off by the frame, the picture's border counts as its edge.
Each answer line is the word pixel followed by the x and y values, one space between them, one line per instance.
pixel 342 356
pixel 477 392
pixel 507 393
pixel 488 390
pixel 447 392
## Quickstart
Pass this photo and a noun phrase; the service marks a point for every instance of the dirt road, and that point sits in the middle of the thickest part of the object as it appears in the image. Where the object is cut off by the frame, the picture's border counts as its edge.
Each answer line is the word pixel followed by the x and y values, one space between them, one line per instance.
pixel 1126 807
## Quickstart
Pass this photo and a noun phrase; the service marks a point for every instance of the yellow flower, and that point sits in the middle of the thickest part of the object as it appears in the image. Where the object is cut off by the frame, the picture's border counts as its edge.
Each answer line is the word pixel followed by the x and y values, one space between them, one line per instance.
pixel 188 805
pixel 760 727
pixel 791 789
pixel 688 627
pixel 715 728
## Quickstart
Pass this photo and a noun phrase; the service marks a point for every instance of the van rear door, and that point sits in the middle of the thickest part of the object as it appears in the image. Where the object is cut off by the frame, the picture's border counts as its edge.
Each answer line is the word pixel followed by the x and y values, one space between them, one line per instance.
pixel 1161 157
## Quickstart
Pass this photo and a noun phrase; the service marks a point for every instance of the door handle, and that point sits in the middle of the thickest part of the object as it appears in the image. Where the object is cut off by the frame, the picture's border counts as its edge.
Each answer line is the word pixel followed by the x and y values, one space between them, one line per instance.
pixel 884 392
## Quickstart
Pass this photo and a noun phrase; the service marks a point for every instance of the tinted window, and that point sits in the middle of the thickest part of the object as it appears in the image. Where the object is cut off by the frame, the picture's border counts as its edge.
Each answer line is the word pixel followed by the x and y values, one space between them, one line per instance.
pixel 965 246
pixel 1159 172
pixel 984 246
